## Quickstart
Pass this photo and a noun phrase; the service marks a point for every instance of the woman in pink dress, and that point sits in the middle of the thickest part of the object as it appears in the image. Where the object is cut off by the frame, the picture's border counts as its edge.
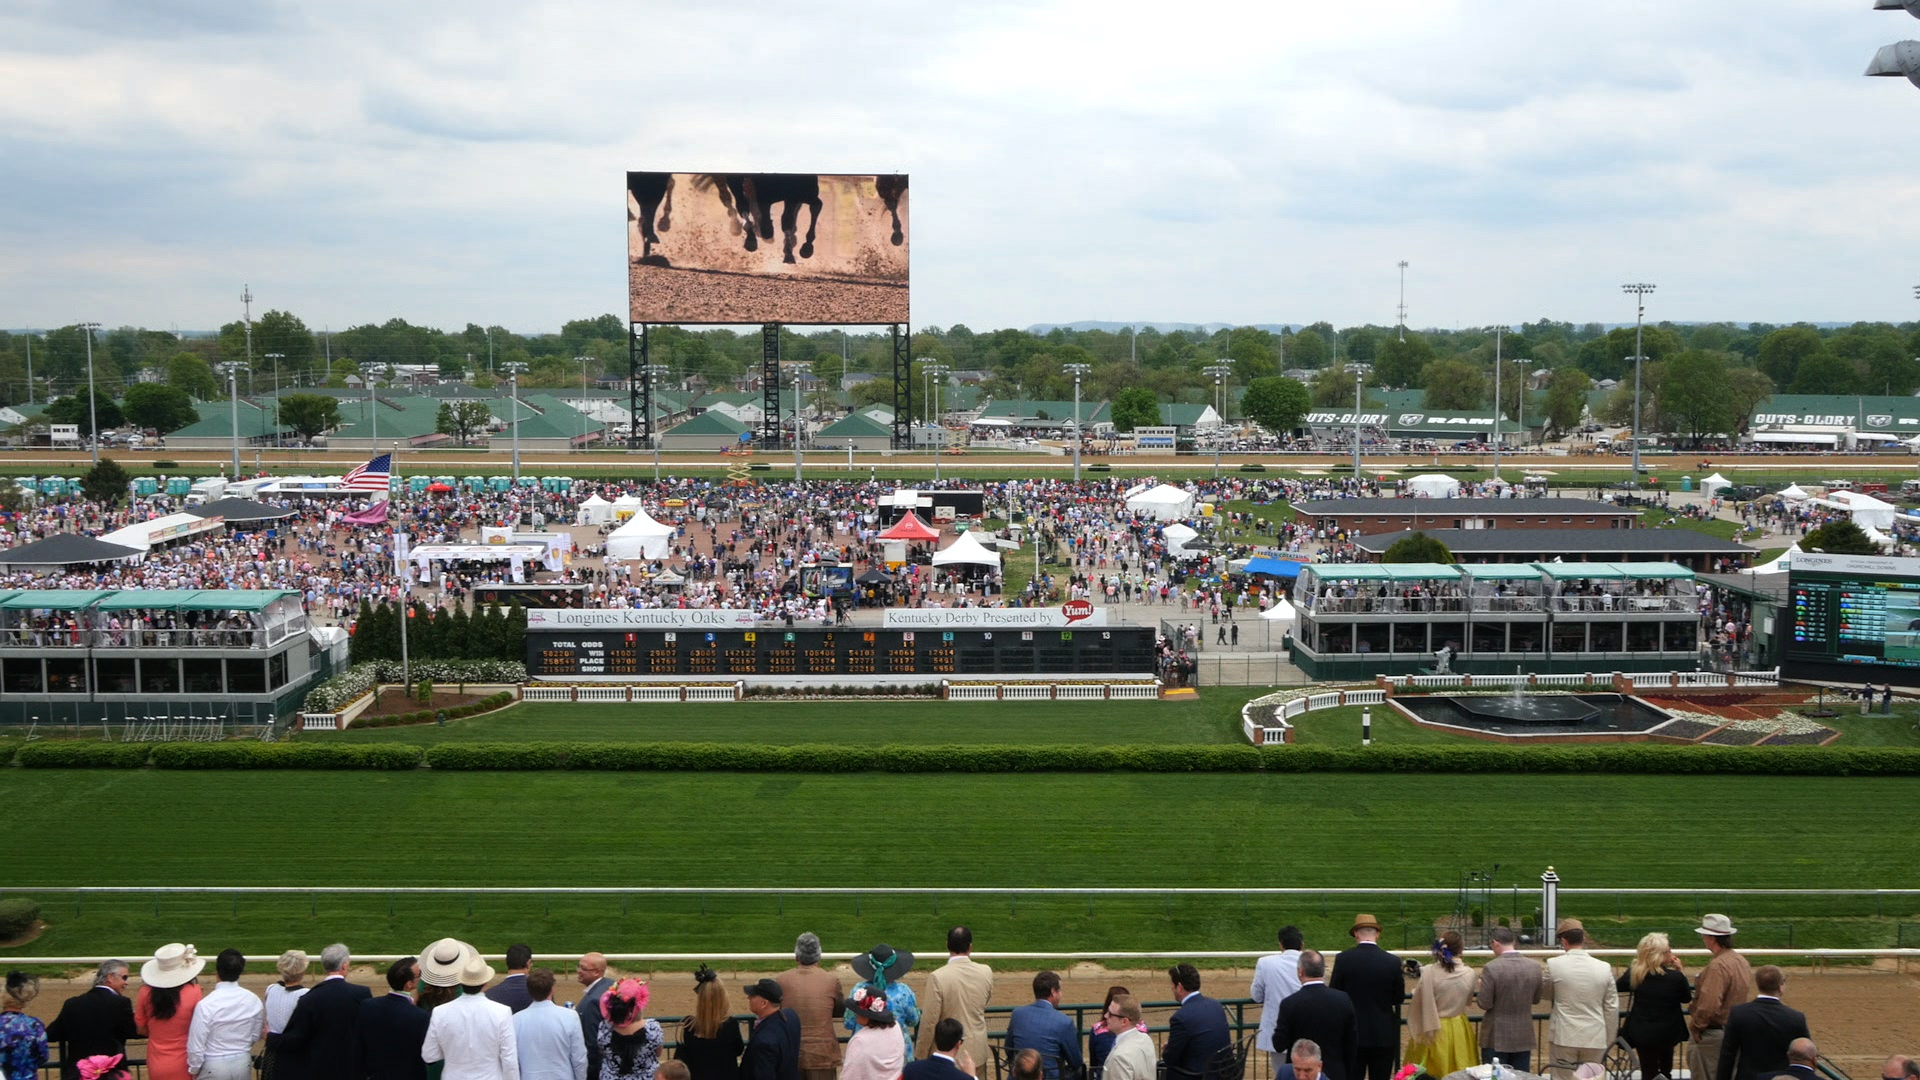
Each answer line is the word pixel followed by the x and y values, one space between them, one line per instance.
pixel 165 1007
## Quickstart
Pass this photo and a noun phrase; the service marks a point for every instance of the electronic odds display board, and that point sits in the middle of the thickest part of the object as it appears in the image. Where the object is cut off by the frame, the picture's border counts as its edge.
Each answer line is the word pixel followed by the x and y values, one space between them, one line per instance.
pixel 585 653
pixel 1852 617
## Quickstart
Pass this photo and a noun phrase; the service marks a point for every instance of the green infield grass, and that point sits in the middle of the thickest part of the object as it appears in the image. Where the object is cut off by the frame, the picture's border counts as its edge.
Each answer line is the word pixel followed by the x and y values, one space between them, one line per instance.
pixel 870 833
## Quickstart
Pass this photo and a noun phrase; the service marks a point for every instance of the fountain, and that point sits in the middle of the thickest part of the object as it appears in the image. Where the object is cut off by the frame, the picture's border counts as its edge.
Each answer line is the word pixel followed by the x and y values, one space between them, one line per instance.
pixel 1520 708
pixel 1524 714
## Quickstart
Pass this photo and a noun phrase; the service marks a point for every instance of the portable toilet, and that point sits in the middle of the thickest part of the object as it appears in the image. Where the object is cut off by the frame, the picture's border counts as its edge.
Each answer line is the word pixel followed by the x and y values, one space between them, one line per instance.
pixel 144 486
pixel 446 480
pixel 396 485
pixel 556 484
pixel 499 483
pixel 418 484
pixel 53 485
pixel 529 483
pixel 474 483
pixel 179 485
pixel 1686 483
pixel 28 484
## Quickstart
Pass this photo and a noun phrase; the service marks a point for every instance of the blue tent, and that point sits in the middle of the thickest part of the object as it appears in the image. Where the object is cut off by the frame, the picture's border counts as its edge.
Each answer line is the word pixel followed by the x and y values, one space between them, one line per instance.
pixel 1282 568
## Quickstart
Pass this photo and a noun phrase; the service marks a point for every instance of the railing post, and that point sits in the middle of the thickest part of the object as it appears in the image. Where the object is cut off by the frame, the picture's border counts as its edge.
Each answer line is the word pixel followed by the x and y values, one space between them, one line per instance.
pixel 1549 904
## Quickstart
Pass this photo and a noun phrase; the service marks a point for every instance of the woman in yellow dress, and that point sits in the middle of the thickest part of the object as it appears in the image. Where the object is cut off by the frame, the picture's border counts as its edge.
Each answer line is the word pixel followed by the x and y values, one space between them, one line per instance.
pixel 1441 1039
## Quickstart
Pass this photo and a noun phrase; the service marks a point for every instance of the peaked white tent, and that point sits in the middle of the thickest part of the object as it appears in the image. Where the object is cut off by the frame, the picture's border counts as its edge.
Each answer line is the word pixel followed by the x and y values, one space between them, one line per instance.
pixel 1795 492
pixel 627 506
pixel 1780 564
pixel 1433 486
pixel 1868 512
pixel 1282 612
pixel 1162 502
pixel 1712 484
pixel 966 550
pixel 595 511
pixel 1177 535
pixel 640 538
pixel 1877 536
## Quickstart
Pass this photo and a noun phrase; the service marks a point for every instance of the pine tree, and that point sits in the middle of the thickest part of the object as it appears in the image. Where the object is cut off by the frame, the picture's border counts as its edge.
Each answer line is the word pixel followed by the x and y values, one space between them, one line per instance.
pixel 513 645
pixel 454 632
pixel 360 644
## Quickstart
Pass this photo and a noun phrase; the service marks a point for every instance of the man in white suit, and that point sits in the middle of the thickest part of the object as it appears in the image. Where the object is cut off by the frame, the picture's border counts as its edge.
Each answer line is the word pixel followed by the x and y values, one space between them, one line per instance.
pixel 1133 1056
pixel 961 991
pixel 1586 1003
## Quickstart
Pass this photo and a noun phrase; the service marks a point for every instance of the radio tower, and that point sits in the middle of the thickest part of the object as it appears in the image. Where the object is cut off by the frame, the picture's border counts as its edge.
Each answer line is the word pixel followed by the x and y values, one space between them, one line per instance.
pixel 1403 299
pixel 246 298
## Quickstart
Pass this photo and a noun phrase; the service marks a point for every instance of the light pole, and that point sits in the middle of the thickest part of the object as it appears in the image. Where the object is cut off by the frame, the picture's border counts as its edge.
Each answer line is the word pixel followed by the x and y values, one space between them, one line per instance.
pixel 583 400
pixel 232 368
pixel 1359 384
pixel 513 402
pixel 1639 291
pixel 29 336
pixel 1403 299
pixel 935 372
pixel 1219 373
pixel 1497 401
pixel 1076 370
pixel 276 358
pixel 489 350
pixel 651 372
pixel 798 372
pixel 93 425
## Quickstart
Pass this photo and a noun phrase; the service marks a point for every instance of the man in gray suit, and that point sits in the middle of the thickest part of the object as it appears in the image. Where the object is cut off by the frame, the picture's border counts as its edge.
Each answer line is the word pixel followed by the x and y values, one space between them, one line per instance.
pixel 592 973
pixel 1509 989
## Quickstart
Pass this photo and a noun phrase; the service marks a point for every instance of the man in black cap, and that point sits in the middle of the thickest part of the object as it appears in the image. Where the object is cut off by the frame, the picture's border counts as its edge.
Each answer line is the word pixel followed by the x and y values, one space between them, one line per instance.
pixel 773 1049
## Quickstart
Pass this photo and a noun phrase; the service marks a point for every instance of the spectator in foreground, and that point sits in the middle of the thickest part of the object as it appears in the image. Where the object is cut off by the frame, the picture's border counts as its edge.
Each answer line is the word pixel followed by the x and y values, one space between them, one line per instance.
pixel 1657 1021
pixel 629 1042
pixel 1043 1028
pixel 472 1034
pixel 97 1023
pixel 23 1039
pixel 813 995
pixel 1586 1006
pixel 547 1039
pixel 710 1042
pixel 1274 977
pixel 1131 1056
pixel 948 1060
pixel 1760 1031
pixel 393 1028
pixel 1439 1035
pixel 225 1025
pixel 591 972
pixel 512 991
pixel 1198 1029
pixel 773 1047
pixel 1106 1030
pixel 884 969
pixel 1722 986
pixel 1510 986
pixel 282 996
pixel 876 1051
pixel 960 990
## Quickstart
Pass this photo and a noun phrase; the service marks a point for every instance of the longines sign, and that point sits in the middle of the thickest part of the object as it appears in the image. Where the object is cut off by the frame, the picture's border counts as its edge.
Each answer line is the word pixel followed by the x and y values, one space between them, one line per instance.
pixel 640 619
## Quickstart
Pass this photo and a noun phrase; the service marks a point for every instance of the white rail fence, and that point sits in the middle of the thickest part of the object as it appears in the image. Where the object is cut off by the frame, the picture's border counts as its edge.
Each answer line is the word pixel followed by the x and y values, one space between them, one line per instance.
pixel 1066 691
pixel 651 692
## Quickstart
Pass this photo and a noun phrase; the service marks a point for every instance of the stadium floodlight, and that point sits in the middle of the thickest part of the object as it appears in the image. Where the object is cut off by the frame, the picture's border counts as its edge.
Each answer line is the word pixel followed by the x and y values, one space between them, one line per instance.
pixel 1911 7
pixel 1900 58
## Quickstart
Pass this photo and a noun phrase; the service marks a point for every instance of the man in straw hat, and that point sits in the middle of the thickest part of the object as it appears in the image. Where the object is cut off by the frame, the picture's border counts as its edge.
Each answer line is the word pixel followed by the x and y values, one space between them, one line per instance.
pixel 1722 985
pixel 471 1033
pixel 1585 1000
pixel 318 1042
pixel 1371 977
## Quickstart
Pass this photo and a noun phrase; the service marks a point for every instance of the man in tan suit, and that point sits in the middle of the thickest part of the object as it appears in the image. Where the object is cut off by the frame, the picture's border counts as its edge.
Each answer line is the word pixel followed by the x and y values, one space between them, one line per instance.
pixel 1727 982
pixel 960 990
pixel 1586 1003
pixel 814 994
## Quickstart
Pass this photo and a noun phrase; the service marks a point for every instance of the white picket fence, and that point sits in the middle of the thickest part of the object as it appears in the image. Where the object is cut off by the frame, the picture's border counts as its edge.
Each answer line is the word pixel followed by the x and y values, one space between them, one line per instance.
pixel 1261 733
pixel 1140 691
pixel 651 692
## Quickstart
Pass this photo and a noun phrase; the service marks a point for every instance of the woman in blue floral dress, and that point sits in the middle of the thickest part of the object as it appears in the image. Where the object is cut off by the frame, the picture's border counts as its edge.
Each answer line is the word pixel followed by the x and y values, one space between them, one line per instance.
pixel 884 969
pixel 23 1040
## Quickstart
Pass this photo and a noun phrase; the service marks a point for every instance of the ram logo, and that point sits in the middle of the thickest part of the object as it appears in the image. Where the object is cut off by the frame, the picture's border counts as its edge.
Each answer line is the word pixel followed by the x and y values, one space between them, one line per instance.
pixel 1880 420
pixel 1411 419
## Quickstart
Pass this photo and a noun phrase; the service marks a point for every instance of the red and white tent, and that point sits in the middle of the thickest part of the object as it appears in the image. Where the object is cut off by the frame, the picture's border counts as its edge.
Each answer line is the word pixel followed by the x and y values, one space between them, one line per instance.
pixel 910 528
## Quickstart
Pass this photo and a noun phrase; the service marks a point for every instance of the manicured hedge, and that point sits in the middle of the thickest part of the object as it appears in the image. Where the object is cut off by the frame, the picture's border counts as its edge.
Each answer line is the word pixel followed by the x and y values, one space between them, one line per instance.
pixel 308 755
pixel 1616 758
pixel 81 754
pixel 17 917
pixel 428 716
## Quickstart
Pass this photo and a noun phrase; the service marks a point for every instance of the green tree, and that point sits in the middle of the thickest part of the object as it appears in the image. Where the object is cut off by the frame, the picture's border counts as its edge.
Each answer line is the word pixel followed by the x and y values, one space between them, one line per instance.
pixel 1825 373
pixel 1307 349
pixel 160 407
pixel 1136 406
pixel 1399 363
pixel 1693 396
pixel 1276 403
pixel 193 376
pixel 282 334
pixel 72 409
pixel 1840 537
pixel 105 483
pixel 1333 386
pixel 1746 389
pixel 310 414
pixel 1417 547
pixel 461 419
pixel 1454 384
pixel 1783 351
pixel 1567 398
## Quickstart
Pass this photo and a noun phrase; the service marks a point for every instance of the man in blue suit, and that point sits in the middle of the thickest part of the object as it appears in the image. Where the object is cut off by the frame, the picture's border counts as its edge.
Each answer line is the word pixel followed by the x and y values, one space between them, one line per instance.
pixel 943 1063
pixel 1198 1029
pixel 1043 1027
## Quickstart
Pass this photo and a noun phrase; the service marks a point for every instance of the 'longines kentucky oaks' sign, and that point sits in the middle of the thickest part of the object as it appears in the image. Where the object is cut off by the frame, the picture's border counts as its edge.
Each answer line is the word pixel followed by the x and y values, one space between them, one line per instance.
pixel 640 619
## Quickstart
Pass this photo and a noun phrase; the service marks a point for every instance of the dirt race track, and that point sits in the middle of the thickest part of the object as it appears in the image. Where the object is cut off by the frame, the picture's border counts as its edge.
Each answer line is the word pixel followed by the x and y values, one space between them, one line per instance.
pixel 1566 470
pixel 1858 1016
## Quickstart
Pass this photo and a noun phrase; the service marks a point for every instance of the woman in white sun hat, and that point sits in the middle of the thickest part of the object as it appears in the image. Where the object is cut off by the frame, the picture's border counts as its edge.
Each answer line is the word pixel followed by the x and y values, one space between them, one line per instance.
pixel 164 1010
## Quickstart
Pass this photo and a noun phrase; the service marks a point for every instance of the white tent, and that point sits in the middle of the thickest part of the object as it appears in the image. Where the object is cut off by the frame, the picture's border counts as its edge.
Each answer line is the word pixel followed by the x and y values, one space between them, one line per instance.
pixel 1162 502
pixel 1795 492
pixel 1712 484
pixel 595 511
pixel 1877 536
pixel 640 538
pixel 1281 611
pixel 967 550
pixel 1868 512
pixel 627 506
pixel 1177 536
pixel 1433 486
pixel 1780 564
pixel 145 534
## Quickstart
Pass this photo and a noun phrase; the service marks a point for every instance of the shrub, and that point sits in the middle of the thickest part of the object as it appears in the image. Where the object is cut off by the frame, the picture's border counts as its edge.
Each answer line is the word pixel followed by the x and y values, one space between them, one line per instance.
pixel 78 754
pixel 297 755
pixel 1253 466
pixel 424 692
pixel 17 917
pixel 347 687
pixel 166 464
pixel 1476 917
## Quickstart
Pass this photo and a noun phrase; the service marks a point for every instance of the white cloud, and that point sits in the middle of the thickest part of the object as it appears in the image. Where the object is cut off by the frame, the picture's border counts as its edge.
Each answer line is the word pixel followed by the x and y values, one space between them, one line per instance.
pixel 1123 160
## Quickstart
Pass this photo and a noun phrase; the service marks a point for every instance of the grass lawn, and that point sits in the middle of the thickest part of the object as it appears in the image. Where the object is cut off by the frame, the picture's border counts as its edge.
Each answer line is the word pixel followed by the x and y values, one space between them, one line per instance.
pixel 1211 717
pixel 1654 518
pixel 873 832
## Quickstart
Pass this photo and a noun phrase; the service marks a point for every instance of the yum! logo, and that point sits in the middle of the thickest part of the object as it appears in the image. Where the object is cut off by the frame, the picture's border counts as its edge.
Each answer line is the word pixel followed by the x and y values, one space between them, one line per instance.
pixel 1075 610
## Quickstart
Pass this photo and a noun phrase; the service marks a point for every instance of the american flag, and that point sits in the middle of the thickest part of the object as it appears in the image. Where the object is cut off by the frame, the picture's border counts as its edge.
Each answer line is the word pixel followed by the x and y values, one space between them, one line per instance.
pixel 375 475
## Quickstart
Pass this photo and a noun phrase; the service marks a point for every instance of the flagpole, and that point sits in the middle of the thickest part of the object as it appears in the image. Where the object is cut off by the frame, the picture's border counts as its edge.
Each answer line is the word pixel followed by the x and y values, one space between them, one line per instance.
pixel 406 580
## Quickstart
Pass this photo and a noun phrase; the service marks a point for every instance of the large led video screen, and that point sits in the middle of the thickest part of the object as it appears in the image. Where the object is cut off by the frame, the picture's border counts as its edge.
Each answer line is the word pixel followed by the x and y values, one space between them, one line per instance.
pixel 1852 618
pixel 766 248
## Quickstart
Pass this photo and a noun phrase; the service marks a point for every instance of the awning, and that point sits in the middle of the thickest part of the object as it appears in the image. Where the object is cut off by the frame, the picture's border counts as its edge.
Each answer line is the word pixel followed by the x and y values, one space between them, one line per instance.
pixel 1281 568
pixel 1823 438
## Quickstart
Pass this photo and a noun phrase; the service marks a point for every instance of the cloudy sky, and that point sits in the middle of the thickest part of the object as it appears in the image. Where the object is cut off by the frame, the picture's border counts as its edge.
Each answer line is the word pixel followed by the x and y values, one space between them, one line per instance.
pixel 1242 161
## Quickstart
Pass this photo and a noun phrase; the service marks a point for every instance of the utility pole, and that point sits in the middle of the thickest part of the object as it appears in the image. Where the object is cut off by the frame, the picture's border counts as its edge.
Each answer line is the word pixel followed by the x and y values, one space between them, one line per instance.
pixel 232 368
pixel 1639 291
pixel 798 372
pixel 1498 402
pixel 1219 373
pixel 936 372
pixel 30 361
pixel 583 399
pixel 93 424
pixel 276 358
pixel 513 402
pixel 1359 384
pixel 651 373
pixel 1403 299
pixel 1076 370
pixel 246 298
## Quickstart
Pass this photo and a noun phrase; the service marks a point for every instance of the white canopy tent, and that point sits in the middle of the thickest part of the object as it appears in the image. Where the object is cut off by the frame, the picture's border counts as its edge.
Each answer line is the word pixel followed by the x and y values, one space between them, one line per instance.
pixel 1795 492
pixel 145 534
pixel 1780 564
pixel 1877 536
pixel 966 550
pixel 1712 484
pixel 1162 502
pixel 1868 512
pixel 640 538
pixel 1433 486
pixel 1281 612
pixel 627 506
pixel 594 511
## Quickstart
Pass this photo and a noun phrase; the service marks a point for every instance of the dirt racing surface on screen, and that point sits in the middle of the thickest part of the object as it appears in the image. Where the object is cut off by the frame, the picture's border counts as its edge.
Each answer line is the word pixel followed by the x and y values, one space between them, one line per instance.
pixel 766 247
